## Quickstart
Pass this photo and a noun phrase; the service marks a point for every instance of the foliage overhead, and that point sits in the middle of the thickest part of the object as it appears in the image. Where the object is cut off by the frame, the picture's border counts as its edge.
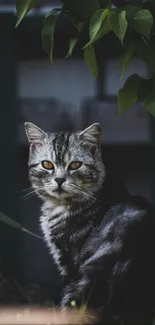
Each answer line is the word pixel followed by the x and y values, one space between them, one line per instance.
pixel 131 22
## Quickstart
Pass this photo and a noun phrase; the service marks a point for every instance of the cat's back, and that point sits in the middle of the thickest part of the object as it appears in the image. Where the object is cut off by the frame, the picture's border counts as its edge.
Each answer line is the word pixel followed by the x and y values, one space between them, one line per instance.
pixel 120 210
pixel 122 250
pixel 131 213
pixel 127 228
pixel 132 239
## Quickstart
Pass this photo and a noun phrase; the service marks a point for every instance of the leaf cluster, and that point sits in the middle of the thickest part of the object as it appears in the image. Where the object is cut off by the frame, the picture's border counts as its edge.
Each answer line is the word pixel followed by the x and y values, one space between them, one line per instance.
pixel 131 22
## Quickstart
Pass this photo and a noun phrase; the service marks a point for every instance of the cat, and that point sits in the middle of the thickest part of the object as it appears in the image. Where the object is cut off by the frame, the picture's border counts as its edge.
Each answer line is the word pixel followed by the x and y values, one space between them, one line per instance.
pixel 101 238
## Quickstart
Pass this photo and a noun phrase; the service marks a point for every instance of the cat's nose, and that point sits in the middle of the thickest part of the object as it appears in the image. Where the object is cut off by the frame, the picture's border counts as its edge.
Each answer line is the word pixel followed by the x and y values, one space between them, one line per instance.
pixel 60 180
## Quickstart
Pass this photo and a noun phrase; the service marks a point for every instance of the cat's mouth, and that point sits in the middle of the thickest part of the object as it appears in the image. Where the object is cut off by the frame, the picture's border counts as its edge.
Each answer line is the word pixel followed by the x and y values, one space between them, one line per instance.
pixel 61 194
pixel 59 190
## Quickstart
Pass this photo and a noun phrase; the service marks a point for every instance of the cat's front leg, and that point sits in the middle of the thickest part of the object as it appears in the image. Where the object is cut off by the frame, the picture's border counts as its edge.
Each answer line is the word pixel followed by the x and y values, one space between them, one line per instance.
pixel 53 246
pixel 76 292
pixel 68 295
pixel 59 261
pixel 81 290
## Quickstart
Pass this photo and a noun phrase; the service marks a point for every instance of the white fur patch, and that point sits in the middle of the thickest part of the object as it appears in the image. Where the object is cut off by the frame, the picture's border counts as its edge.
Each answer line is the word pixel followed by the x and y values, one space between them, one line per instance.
pixel 48 220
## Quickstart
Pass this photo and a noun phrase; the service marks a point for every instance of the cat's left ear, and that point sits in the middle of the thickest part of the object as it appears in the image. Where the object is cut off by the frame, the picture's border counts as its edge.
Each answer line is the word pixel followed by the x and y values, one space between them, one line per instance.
pixel 34 133
pixel 92 134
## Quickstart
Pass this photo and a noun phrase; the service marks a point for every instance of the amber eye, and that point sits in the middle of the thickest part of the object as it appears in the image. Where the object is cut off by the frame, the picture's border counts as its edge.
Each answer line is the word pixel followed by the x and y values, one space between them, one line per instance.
pixel 47 164
pixel 74 165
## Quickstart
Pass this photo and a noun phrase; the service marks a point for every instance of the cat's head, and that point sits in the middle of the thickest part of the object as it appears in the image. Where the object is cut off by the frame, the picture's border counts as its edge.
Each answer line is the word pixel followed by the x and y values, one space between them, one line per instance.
pixel 65 165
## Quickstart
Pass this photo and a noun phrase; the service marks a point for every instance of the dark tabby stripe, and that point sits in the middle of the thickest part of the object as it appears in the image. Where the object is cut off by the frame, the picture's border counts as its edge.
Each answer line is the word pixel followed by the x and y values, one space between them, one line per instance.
pixel 60 144
pixel 33 165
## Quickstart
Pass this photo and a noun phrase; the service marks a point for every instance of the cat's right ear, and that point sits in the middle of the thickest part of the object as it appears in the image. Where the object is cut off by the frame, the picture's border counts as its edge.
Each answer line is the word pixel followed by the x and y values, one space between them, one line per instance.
pixel 34 134
pixel 92 134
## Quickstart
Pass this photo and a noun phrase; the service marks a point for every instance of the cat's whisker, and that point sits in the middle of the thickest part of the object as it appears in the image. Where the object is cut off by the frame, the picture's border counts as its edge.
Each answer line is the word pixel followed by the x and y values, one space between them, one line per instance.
pixel 27 189
pixel 86 196
pixel 90 196
pixel 28 195
pixel 31 192
pixel 82 192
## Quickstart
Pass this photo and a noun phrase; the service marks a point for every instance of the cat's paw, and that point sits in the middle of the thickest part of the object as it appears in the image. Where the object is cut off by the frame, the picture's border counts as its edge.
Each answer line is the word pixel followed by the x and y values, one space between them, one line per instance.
pixel 66 302
pixel 70 302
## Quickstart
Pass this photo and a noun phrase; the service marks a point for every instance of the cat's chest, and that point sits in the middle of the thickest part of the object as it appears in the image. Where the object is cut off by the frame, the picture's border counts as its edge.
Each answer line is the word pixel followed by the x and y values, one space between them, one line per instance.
pixel 64 230
pixel 53 226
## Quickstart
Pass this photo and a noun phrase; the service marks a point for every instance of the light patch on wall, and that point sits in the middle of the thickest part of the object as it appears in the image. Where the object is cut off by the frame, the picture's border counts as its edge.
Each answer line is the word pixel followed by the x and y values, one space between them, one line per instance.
pixel 112 74
pixel 65 80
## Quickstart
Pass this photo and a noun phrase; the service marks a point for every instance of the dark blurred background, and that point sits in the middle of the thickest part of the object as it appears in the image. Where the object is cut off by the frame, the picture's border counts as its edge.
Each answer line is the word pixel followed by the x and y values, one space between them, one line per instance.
pixel 59 96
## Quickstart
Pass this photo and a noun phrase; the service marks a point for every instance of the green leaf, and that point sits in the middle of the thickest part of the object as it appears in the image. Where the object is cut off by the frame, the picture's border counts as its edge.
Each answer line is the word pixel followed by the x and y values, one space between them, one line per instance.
pixel 72 44
pixel 77 24
pixel 128 52
pixel 74 21
pixel 105 4
pixel 22 8
pixel 13 223
pixel 131 10
pixel 118 23
pixel 147 94
pixel 128 95
pixel 146 52
pixel 142 22
pixel 149 103
pixel 82 9
pixel 47 34
pixel 102 31
pixel 9 221
pixel 90 59
pixel 96 22
pixel 144 88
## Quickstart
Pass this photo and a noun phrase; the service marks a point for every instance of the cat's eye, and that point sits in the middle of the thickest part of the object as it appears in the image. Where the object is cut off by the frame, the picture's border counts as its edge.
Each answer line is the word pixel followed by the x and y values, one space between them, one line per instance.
pixel 74 165
pixel 47 164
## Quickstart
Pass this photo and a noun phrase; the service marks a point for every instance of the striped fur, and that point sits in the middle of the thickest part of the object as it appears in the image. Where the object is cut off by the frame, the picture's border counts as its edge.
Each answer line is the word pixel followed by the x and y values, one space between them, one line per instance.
pixel 80 186
pixel 101 238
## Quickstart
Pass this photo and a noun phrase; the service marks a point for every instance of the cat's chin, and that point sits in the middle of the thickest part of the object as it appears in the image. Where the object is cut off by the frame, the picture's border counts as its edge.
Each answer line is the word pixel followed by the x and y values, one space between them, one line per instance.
pixel 59 195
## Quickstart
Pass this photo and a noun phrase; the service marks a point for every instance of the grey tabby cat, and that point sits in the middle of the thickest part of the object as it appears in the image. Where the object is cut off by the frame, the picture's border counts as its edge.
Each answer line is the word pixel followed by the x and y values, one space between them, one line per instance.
pixel 65 175
pixel 101 239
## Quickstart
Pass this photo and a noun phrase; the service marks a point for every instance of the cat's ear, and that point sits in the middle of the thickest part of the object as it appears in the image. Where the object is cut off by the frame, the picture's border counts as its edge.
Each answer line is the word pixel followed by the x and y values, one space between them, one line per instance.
pixel 34 133
pixel 92 134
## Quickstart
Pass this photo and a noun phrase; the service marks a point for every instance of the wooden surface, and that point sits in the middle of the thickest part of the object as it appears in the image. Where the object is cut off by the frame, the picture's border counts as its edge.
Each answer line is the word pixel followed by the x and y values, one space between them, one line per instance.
pixel 25 316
